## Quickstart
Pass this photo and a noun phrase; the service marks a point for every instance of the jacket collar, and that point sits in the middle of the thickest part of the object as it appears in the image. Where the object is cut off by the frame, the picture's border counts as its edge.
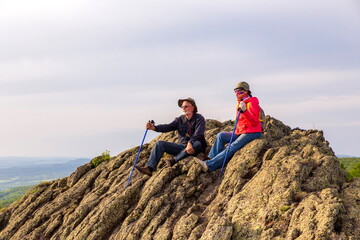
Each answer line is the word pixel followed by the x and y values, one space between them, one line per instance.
pixel 184 119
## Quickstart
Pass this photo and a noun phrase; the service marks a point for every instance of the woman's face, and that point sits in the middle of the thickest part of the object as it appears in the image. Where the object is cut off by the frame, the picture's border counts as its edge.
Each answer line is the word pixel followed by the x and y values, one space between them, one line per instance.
pixel 240 93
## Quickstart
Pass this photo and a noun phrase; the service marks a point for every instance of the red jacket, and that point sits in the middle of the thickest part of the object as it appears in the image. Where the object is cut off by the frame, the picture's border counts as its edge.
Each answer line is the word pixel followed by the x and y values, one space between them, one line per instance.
pixel 249 120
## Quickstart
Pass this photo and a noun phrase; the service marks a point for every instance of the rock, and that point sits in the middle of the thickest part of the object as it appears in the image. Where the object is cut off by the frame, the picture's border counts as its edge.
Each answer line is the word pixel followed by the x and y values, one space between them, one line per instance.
pixel 79 172
pixel 219 228
pixel 286 185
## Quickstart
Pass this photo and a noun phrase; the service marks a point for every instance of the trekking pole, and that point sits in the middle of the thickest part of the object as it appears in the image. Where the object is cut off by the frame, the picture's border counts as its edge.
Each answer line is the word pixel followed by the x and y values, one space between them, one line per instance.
pixel 137 156
pixel 231 139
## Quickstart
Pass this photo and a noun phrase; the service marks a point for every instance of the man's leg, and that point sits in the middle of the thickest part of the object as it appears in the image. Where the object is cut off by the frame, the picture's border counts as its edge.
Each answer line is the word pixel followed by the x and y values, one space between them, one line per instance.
pixel 196 146
pixel 243 139
pixel 221 139
pixel 160 148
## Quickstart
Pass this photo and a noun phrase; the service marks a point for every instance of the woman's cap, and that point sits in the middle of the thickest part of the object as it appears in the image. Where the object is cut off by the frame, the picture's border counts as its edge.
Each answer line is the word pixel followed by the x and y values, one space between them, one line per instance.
pixel 243 85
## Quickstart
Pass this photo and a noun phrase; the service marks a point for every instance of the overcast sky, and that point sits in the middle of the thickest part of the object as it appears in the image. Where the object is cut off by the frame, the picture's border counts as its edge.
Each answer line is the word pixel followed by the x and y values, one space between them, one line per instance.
pixel 81 77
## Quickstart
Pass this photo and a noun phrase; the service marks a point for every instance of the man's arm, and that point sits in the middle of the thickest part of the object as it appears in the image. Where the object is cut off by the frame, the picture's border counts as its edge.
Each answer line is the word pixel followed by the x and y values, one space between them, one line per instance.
pixel 167 127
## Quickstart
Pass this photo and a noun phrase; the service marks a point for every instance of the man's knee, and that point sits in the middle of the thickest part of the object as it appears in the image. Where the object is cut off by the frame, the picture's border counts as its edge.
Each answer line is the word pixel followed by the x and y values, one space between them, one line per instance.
pixel 197 146
pixel 160 144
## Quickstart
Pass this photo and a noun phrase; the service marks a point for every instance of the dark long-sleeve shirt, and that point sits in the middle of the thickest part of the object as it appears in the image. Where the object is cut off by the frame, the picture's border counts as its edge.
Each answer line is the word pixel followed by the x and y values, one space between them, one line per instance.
pixel 188 130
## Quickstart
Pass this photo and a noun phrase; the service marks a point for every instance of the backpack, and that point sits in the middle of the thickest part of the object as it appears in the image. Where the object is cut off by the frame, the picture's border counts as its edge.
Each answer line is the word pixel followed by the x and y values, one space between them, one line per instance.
pixel 262 119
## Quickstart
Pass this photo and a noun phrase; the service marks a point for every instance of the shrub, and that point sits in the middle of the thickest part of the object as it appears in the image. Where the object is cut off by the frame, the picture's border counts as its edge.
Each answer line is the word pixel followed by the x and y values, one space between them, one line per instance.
pixel 351 167
pixel 105 156
pixel 355 171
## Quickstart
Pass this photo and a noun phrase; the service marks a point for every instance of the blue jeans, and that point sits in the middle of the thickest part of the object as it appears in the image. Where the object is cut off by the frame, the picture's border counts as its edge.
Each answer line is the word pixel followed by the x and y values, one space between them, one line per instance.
pixel 217 152
pixel 172 148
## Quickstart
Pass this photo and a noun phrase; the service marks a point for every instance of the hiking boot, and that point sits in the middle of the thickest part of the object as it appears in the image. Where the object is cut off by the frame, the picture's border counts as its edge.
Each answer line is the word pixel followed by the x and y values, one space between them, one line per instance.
pixel 203 164
pixel 144 170
pixel 170 162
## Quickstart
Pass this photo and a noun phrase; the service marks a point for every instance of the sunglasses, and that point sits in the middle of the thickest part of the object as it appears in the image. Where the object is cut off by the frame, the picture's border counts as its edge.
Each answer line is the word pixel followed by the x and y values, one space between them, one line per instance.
pixel 239 92
pixel 186 106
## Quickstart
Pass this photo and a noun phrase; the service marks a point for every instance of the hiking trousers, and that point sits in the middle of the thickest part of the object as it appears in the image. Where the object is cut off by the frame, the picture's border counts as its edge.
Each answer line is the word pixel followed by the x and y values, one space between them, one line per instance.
pixel 217 152
pixel 178 150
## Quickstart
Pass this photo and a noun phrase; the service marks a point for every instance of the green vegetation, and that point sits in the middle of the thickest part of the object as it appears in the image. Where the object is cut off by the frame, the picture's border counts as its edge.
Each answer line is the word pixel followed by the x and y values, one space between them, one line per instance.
pixel 10 195
pixel 355 171
pixel 105 156
pixel 285 208
pixel 351 166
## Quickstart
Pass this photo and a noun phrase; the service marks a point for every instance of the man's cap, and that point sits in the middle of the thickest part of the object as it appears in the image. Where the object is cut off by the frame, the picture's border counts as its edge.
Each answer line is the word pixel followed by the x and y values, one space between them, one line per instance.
pixel 243 85
pixel 190 100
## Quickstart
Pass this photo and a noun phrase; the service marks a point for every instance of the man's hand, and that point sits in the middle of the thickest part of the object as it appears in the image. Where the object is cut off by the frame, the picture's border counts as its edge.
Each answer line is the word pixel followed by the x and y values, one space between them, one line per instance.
pixel 150 126
pixel 189 149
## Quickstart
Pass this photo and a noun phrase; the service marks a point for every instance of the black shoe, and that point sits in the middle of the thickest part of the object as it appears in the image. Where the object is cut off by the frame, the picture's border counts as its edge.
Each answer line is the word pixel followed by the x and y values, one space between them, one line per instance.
pixel 170 162
pixel 144 170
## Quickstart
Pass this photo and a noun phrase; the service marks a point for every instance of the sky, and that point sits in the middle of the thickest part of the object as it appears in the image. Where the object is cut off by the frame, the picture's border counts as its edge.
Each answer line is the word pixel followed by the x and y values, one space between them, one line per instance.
pixel 81 77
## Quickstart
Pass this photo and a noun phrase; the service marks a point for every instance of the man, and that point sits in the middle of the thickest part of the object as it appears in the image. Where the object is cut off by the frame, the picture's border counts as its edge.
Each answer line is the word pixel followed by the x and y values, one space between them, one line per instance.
pixel 191 138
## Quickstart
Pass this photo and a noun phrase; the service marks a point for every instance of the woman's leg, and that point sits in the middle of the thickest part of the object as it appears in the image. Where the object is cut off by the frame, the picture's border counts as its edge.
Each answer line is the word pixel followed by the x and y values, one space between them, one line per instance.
pixel 222 138
pixel 243 139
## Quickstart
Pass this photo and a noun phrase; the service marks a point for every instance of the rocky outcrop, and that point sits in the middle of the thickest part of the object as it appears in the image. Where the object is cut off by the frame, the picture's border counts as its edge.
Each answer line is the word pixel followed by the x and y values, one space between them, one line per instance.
pixel 286 185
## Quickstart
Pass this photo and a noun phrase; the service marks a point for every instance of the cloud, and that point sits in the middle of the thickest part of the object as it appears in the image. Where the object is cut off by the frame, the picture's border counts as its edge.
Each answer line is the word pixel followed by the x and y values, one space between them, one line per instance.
pixel 341 125
pixel 74 70
pixel 336 103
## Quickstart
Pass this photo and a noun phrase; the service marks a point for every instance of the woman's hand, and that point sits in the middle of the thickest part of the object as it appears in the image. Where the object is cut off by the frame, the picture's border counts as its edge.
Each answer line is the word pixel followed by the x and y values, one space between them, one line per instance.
pixel 242 106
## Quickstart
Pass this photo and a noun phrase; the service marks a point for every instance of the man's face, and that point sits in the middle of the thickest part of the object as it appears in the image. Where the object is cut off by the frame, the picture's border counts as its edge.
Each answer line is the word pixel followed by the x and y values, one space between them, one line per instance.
pixel 187 108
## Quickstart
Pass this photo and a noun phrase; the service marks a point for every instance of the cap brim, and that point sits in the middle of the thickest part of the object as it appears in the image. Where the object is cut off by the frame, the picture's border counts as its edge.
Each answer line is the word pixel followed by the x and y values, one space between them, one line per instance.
pixel 180 102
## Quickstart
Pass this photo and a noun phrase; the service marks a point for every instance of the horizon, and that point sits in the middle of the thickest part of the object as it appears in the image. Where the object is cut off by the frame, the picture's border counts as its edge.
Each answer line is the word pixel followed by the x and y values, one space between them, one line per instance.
pixel 79 78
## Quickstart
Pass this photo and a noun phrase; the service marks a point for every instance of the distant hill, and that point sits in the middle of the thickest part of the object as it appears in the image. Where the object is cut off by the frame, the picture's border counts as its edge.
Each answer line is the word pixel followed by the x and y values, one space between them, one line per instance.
pixel 345 156
pixel 35 170
pixel 15 161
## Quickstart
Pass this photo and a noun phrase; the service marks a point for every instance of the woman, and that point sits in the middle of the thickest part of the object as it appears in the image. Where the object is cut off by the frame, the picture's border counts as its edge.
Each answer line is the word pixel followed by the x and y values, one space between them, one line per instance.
pixel 248 128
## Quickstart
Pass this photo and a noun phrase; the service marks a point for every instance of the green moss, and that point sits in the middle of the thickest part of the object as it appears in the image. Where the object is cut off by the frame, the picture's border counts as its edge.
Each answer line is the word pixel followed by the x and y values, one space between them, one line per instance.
pixel 285 208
